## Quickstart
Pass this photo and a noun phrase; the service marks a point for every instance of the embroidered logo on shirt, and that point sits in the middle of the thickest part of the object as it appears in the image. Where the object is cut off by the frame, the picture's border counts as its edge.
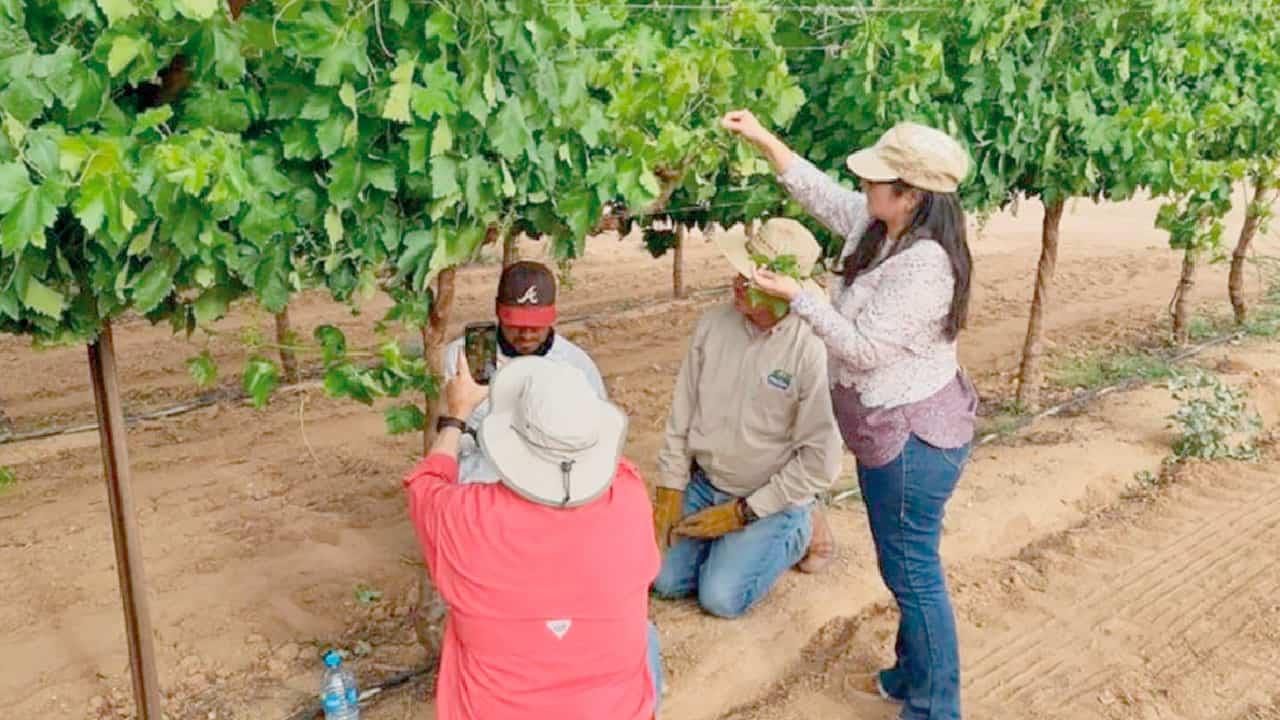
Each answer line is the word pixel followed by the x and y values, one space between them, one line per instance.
pixel 780 379
pixel 559 628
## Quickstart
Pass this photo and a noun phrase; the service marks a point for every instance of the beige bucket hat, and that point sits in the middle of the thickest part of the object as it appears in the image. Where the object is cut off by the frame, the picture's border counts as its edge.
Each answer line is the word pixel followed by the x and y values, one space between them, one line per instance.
pixel 915 154
pixel 775 238
pixel 551 437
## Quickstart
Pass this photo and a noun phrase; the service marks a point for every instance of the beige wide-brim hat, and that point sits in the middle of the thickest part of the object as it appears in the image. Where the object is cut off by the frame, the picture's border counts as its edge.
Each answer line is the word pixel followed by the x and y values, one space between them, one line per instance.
pixel 551 437
pixel 915 154
pixel 775 238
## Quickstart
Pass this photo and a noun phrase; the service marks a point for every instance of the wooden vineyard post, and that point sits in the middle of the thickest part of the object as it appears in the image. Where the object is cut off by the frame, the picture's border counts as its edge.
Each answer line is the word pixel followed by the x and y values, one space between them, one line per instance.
pixel 284 338
pixel 428 406
pixel 677 262
pixel 124 528
pixel 509 251
pixel 1181 296
pixel 1235 280
pixel 1029 373
pixel 433 348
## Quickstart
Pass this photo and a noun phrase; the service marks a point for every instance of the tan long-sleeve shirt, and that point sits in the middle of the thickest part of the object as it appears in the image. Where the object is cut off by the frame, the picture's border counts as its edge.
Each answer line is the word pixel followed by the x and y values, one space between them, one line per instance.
pixel 753 409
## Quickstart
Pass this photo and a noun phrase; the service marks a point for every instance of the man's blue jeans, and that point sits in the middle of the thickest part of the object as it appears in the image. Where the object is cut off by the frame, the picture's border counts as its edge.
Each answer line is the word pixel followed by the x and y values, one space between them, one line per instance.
pixel 905 501
pixel 654 656
pixel 732 573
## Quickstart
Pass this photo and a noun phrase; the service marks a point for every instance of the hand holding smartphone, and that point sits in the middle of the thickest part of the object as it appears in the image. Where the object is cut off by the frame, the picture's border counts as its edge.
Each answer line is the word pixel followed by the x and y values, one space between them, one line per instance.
pixel 481 346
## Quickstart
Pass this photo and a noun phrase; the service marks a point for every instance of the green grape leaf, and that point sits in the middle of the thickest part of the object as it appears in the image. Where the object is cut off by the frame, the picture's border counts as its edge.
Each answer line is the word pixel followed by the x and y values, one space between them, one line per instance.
pixel 197 9
pixel 261 377
pixel 154 284
pixel 441 138
pixel 333 343
pixel 14 184
pixel 271 278
pixel 123 51
pixel 428 102
pixel 346 380
pixel 403 419
pixel 382 176
pixel 152 118
pixel 416 138
pixel 788 104
pixel 397 105
pixel 212 304
pixel 776 306
pixel 141 242
pixel 440 24
pixel 333 225
pixel 444 177
pixel 399 12
pixel 508 132
pixel 117 10
pixel 594 126
pixel 43 299
pixel 331 135
pixel 35 209
pixel 203 369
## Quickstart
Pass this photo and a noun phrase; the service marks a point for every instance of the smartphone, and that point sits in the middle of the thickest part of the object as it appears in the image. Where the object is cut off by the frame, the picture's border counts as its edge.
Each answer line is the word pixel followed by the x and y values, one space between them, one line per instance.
pixel 482 350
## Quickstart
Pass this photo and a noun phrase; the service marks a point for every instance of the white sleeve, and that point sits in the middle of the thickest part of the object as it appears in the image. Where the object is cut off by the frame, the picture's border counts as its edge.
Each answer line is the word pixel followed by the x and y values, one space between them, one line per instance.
pixel 594 376
pixel 450 359
pixel 903 316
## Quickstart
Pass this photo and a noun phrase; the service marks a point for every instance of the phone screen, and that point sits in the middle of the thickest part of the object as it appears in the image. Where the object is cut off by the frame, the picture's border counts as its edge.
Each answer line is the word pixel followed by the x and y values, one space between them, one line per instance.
pixel 482 351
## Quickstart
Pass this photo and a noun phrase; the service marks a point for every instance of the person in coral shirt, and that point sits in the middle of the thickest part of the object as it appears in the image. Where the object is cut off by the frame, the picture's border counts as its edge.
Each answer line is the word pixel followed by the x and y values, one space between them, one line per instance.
pixel 546 573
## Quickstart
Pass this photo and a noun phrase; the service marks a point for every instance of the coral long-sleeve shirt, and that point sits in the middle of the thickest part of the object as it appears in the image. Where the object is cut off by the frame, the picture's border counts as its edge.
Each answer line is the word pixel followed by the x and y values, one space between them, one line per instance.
pixel 548 607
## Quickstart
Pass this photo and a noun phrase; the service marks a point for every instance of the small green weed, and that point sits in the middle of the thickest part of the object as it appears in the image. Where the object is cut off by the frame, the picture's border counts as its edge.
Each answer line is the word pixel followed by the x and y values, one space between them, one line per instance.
pixel 366 595
pixel 1002 420
pixel 1213 420
pixel 1102 369
pixel 8 479
pixel 1146 478
pixel 1001 425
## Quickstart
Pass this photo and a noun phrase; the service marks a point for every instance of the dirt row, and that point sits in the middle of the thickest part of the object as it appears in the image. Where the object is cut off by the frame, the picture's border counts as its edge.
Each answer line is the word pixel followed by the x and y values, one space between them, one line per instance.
pixel 259 526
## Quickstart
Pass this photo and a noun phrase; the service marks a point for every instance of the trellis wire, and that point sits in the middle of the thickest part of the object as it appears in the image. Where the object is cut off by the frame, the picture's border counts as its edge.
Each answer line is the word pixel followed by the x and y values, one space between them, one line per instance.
pixel 834 47
pixel 800 9
pixel 691 209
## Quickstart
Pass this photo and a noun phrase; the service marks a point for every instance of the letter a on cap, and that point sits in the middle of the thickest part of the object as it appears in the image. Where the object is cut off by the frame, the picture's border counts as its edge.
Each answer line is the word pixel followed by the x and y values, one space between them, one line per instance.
pixel 530 296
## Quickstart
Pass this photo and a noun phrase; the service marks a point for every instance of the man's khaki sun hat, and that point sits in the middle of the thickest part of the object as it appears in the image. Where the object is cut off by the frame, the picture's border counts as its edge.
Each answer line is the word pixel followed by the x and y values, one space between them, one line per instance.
pixel 775 238
pixel 551 437
pixel 915 154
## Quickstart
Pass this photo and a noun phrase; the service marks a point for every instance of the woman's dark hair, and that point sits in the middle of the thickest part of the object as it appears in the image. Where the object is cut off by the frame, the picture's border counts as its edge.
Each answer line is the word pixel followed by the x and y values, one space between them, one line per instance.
pixel 938 217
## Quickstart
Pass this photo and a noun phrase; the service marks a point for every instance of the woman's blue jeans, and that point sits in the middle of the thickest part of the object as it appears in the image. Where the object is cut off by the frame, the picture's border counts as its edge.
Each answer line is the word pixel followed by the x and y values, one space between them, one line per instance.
pixel 906 501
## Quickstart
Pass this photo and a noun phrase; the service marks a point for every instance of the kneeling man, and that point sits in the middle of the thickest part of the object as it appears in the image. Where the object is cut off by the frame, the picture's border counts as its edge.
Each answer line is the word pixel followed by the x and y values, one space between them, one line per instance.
pixel 751 439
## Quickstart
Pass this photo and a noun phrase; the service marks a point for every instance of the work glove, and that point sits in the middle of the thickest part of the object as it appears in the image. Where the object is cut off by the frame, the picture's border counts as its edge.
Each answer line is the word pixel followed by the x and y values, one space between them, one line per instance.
pixel 715 521
pixel 668 507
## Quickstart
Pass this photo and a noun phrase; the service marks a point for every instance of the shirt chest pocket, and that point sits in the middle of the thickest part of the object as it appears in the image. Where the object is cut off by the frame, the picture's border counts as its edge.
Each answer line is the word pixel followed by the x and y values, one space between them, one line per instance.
pixel 771 404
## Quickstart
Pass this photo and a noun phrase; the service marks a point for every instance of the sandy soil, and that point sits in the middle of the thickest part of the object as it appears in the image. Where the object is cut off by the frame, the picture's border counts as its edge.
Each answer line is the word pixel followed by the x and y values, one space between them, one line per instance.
pixel 258 526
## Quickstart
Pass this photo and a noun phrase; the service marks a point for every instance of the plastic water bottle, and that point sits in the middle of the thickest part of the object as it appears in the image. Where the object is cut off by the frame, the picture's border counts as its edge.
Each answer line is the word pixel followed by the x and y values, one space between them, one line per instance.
pixel 338 694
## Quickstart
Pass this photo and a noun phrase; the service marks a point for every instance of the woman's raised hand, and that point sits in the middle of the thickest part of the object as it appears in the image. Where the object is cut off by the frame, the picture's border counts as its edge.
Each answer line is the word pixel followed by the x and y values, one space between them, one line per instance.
pixel 744 123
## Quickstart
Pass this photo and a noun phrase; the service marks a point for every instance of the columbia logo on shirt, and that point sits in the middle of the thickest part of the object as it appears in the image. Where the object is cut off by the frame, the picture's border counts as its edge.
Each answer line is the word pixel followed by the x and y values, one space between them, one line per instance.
pixel 780 379
pixel 559 628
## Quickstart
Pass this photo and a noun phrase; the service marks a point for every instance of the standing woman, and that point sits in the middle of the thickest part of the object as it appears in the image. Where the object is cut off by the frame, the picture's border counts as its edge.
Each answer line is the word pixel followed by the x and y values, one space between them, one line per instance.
pixel 904 406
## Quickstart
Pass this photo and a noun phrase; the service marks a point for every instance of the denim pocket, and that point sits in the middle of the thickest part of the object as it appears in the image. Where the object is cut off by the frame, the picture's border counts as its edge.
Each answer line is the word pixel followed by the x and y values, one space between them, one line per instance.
pixel 955 457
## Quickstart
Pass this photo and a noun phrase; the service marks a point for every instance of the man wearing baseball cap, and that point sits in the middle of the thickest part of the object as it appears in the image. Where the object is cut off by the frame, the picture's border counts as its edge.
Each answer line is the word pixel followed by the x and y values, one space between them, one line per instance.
pixel 751 439
pixel 526 310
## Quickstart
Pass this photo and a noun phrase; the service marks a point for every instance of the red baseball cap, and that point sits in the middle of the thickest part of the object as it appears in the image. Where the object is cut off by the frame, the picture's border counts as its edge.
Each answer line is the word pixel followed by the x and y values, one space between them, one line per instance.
pixel 527 295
